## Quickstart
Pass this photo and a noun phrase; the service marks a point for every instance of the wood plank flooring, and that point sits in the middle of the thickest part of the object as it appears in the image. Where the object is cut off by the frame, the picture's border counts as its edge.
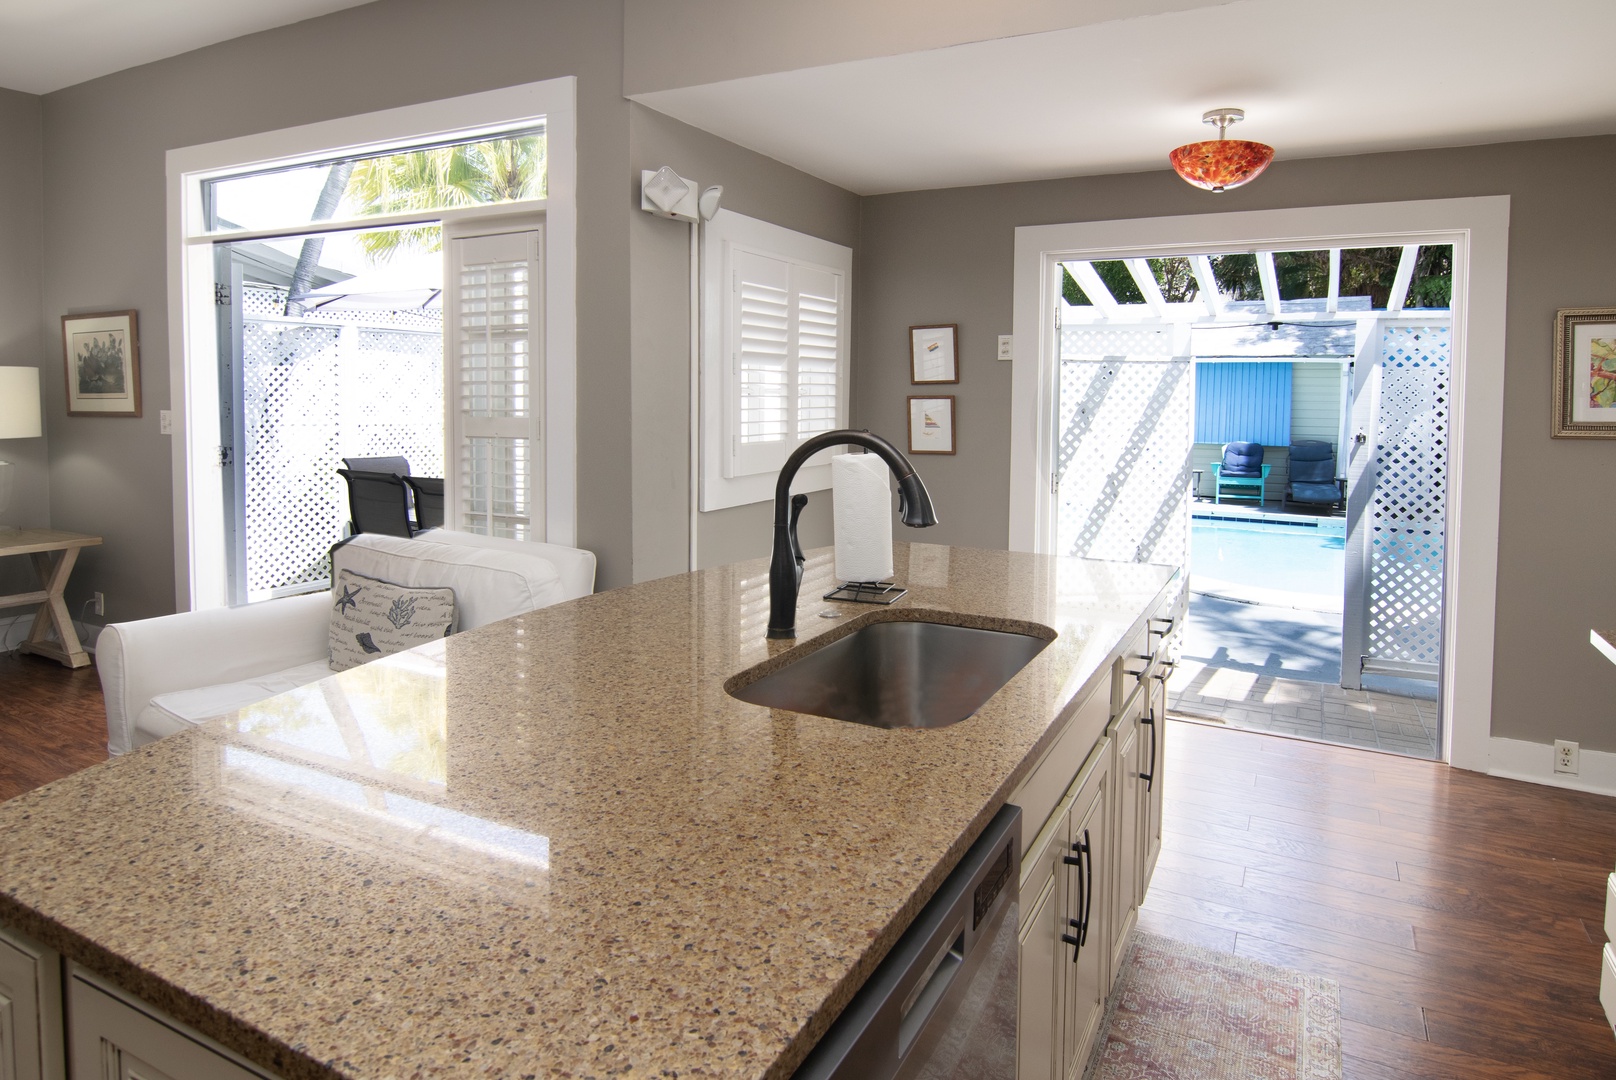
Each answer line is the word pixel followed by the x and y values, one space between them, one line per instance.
pixel 52 722
pixel 1462 914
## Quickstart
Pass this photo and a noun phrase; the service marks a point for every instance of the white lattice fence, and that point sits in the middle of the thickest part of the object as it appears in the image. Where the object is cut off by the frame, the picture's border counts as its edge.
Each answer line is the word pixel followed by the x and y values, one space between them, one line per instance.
pixel 1122 455
pixel 315 390
pixel 1408 507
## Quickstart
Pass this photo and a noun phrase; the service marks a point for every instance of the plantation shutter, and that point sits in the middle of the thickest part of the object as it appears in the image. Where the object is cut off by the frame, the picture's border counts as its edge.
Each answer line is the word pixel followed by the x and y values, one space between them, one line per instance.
pixel 495 315
pixel 785 331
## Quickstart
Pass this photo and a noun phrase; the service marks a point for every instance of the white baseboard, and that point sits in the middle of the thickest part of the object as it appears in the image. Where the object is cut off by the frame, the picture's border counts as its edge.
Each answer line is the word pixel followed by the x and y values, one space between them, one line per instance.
pixel 1516 759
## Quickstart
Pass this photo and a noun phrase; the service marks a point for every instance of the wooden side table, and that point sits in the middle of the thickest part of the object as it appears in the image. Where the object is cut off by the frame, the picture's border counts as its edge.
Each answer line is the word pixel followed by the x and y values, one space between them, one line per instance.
pixel 53 574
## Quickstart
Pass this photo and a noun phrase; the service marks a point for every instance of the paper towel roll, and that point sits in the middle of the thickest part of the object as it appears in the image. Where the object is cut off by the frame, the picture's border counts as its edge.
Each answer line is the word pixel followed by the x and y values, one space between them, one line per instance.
pixel 862 499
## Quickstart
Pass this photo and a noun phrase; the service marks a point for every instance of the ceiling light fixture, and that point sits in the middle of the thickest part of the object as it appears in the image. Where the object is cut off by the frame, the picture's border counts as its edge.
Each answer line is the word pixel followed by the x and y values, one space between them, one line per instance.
pixel 1221 163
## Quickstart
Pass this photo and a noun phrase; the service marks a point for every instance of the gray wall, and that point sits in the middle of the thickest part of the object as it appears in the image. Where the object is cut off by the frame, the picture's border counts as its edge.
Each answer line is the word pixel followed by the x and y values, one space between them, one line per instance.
pixel 104 213
pixel 945 256
pixel 22 343
pixel 659 274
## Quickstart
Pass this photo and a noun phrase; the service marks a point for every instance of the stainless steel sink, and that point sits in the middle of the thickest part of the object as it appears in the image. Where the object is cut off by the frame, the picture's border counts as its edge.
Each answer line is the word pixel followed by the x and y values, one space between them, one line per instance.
pixel 897 674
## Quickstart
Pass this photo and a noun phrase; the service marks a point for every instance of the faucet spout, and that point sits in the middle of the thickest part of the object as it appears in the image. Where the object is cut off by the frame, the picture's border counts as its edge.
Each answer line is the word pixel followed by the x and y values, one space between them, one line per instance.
pixel 785 567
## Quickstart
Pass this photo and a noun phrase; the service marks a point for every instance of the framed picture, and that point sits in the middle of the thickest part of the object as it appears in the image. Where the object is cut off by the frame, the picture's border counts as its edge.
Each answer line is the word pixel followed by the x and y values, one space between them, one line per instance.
pixel 1585 373
pixel 102 355
pixel 931 425
pixel 934 354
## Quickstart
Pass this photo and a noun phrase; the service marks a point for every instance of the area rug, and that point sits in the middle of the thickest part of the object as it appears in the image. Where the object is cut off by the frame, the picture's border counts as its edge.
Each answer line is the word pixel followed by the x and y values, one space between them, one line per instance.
pixel 1181 1012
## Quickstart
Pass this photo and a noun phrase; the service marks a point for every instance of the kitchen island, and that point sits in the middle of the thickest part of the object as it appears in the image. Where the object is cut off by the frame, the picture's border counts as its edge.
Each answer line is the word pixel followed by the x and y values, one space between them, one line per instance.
pixel 554 846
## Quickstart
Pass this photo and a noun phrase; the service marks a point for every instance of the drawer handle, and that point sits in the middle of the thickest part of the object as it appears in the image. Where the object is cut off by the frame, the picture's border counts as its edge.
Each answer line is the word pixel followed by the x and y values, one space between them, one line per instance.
pixel 1150 777
pixel 1168 623
pixel 1084 861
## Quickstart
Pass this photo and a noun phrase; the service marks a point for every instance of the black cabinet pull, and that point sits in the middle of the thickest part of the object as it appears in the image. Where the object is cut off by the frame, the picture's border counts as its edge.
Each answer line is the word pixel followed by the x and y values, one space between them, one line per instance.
pixel 1168 623
pixel 1081 924
pixel 1150 777
pixel 1088 904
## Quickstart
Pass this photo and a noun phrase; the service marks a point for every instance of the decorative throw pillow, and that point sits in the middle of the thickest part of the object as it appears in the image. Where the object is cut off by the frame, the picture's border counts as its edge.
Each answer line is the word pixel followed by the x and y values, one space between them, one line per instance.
pixel 371 618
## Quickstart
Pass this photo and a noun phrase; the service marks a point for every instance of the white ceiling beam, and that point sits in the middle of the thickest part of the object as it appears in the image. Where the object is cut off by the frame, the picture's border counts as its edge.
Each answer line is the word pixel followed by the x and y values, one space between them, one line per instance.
pixel 1207 283
pixel 1333 300
pixel 1404 278
pixel 1088 279
pixel 1269 277
pixel 1145 278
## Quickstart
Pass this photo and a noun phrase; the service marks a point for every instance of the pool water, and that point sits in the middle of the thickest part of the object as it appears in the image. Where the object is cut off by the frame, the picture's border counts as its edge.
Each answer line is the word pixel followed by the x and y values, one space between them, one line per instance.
pixel 1288 558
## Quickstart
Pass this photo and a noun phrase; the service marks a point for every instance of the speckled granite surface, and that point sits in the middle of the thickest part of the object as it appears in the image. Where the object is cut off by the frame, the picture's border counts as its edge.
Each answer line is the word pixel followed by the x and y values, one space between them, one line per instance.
pixel 1605 642
pixel 553 846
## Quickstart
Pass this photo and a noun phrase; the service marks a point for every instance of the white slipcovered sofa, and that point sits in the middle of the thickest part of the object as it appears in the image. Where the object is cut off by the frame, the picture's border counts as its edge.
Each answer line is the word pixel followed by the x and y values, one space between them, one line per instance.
pixel 162 675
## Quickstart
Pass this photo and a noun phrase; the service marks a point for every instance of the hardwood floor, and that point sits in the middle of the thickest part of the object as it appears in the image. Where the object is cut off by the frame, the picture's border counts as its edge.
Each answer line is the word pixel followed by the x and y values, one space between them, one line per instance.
pixel 52 722
pixel 1461 914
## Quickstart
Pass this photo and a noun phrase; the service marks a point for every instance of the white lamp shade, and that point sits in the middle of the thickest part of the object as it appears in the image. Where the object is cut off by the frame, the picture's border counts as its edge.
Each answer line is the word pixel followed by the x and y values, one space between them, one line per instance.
pixel 19 403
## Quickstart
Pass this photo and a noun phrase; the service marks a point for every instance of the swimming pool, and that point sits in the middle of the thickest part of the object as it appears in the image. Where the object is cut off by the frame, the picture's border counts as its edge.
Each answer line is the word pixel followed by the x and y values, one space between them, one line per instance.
pixel 1287 558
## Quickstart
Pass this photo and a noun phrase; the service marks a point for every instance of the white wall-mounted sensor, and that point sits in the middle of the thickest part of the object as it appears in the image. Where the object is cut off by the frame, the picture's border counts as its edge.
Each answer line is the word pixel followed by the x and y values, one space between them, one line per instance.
pixel 667 194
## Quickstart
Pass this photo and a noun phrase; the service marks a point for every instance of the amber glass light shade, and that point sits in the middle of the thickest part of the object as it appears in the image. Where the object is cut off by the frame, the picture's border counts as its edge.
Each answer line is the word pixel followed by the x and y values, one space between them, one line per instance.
pixel 1221 164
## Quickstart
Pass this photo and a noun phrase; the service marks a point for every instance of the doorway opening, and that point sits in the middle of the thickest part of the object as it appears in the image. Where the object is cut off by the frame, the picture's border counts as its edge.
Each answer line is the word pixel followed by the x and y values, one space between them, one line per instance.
pixel 1479 230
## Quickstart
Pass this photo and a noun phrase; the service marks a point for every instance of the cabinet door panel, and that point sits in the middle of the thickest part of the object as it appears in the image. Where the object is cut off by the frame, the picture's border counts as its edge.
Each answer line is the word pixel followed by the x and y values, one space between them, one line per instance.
pixel 1154 753
pixel 113 1040
pixel 1087 887
pixel 30 1011
pixel 1038 1031
pixel 1126 839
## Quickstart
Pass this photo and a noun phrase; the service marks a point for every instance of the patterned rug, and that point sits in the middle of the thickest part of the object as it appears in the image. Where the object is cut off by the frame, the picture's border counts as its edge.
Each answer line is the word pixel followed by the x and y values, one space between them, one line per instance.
pixel 1181 1012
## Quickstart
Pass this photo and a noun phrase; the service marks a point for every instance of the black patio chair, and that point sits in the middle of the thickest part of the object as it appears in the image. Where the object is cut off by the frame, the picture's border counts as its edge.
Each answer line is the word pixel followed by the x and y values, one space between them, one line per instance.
pixel 395 464
pixel 428 492
pixel 378 502
pixel 1313 481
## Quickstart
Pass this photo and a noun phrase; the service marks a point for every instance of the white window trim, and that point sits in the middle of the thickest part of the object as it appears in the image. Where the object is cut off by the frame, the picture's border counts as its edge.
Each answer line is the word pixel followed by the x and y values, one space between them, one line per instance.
pixel 1479 230
pixel 199 560
pixel 727 232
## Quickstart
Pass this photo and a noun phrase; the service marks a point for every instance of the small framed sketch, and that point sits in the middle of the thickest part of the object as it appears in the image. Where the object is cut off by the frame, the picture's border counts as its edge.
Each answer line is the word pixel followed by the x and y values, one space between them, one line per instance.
pixel 102 355
pixel 934 354
pixel 931 425
pixel 1585 373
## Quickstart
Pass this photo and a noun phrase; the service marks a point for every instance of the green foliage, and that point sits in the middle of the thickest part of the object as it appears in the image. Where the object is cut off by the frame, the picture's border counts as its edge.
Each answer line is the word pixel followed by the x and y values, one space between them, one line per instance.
pixel 444 177
pixel 1073 294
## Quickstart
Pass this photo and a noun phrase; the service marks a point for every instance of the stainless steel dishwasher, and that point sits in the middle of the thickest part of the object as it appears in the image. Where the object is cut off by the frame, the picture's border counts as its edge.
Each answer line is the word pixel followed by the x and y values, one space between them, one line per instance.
pixel 942 1005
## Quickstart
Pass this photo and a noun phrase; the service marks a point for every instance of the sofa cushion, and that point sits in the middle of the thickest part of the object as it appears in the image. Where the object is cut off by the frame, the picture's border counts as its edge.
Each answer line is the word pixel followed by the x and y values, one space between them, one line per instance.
pixel 372 618
pixel 176 711
pixel 489 584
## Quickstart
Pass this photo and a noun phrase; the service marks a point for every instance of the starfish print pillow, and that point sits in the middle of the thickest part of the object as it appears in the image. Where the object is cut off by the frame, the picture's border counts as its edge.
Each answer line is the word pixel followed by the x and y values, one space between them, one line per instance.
pixel 371 618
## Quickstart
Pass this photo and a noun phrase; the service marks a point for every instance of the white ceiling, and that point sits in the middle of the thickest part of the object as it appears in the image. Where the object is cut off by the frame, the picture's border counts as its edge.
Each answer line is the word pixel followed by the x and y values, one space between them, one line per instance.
pixel 48 44
pixel 1315 78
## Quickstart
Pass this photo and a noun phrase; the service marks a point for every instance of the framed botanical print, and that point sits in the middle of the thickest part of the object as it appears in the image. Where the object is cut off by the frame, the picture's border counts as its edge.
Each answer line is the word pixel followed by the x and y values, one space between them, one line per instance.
pixel 101 353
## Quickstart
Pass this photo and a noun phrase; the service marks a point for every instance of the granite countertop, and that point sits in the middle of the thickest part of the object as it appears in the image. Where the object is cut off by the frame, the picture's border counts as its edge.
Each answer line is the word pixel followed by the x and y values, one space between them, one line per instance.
pixel 1605 642
pixel 552 846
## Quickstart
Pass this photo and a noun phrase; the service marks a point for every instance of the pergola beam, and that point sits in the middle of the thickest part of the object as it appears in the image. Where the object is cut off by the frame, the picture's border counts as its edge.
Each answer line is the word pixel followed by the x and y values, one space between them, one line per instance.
pixel 1145 278
pixel 1088 279
pixel 1404 278
pixel 1269 277
pixel 1207 282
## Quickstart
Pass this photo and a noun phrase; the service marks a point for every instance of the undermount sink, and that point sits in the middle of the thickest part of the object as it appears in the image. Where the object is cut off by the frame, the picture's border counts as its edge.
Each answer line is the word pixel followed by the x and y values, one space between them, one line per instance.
pixel 897 674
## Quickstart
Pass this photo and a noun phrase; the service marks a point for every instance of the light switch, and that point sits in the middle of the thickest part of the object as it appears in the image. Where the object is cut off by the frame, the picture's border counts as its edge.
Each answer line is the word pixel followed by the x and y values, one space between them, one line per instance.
pixel 165 422
pixel 1006 347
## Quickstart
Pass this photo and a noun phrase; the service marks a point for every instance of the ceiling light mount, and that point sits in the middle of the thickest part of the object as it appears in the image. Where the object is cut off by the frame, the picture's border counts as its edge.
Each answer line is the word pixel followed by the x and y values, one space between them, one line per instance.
pixel 1222 163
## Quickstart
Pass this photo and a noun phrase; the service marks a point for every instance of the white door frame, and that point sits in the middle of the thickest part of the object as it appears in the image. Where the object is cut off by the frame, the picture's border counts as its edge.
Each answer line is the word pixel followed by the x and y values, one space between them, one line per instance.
pixel 1479 230
pixel 199 554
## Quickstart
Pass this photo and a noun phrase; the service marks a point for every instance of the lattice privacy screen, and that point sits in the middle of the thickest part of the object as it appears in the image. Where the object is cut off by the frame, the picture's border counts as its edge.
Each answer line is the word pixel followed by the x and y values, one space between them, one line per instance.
pixel 1407 508
pixel 1122 447
pixel 316 389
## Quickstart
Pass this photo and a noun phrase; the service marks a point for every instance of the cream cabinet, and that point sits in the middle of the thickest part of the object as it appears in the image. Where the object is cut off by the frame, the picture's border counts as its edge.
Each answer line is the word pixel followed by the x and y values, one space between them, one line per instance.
pixel 1127 833
pixel 1062 936
pixel 113 1036
pixel 30 1011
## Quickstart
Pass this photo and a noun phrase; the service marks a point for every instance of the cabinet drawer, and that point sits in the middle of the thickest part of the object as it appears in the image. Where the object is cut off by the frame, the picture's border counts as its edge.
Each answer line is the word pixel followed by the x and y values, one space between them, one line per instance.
pixel 1039 794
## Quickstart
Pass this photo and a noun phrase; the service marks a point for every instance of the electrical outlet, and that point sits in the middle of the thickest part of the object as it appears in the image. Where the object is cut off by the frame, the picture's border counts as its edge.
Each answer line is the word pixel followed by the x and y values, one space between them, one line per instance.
pixel 1565 756
pixel 1006 347
pixel 98 603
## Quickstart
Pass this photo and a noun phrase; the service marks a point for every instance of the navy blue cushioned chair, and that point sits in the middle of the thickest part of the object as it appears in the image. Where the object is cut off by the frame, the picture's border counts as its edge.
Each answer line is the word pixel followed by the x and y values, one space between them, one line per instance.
pixel 1313 480
pixel 1242 468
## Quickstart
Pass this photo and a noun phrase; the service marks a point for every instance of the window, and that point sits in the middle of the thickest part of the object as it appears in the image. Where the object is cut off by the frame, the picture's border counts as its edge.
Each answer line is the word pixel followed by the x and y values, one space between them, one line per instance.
pixel 503 163
pixel 774 369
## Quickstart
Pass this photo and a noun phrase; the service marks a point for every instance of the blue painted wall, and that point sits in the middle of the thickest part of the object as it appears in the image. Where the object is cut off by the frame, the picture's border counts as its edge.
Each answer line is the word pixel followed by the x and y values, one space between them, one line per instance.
pixel 1243 403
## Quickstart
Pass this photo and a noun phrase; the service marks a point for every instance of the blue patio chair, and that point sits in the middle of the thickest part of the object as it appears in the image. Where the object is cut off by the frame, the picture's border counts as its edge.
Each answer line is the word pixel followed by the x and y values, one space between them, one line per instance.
pixel 1313 480
pixel 1242 468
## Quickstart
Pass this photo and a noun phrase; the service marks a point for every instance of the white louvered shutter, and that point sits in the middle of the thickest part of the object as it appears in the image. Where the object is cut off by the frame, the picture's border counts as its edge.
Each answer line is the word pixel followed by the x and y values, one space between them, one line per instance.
pixel 787 353
pixel 496 315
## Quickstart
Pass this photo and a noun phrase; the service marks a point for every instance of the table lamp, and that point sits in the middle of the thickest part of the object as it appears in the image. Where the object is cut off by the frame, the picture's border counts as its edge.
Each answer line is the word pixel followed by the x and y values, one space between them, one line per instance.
pixel 19 416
